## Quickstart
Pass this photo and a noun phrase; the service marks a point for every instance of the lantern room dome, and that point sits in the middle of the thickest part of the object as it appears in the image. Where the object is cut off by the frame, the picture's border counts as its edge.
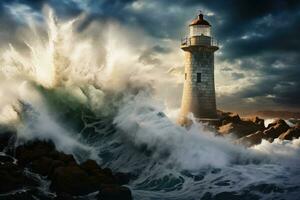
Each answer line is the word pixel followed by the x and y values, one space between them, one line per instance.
pixel 200 21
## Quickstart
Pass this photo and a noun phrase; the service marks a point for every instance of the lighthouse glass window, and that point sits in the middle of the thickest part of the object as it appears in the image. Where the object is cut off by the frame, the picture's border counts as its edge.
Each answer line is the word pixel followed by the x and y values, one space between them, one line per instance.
pixel 198 30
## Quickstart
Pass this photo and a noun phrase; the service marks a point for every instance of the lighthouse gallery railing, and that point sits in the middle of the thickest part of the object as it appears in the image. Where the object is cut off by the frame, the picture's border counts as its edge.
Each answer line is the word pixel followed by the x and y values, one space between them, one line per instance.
pixel 186 41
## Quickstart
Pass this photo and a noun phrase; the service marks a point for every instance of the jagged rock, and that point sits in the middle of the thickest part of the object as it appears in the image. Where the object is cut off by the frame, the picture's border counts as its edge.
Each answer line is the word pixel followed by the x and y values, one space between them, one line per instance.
pixel 290 134
pixel 258 121
pixel 251 139
pixel 278 128
pixel 229 118
pixel 239 127
pixel 67 177
pixel 76 181
pixel 114 192
pixel 45 165
pixel 275 129
pixel 33 150
pixel 90 166
pixel 12 178
pixel 122 178
pixel 72 180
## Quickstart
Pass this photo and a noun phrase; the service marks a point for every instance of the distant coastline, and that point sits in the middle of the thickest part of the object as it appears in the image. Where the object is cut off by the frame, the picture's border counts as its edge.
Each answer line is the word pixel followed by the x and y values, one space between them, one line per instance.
pixel 283 114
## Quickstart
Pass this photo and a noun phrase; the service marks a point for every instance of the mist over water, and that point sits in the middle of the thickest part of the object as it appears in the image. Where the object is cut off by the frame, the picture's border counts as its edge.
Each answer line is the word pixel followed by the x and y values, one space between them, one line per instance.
pixel 92 100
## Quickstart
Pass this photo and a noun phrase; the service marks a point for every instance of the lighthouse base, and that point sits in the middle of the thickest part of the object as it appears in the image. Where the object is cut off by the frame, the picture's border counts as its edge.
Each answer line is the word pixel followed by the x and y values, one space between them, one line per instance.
pixel 185 121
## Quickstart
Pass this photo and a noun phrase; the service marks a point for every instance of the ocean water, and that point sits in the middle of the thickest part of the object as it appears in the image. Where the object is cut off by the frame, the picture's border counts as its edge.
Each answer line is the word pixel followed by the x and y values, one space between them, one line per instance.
pixel 54 94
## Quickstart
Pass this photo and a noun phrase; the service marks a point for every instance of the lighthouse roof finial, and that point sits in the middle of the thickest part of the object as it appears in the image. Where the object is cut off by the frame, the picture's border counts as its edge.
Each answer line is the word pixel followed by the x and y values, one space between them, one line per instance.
pixel 200 20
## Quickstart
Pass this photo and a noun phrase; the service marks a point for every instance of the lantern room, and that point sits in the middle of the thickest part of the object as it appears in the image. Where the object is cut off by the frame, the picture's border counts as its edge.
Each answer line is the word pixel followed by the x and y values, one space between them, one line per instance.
pixel 200 27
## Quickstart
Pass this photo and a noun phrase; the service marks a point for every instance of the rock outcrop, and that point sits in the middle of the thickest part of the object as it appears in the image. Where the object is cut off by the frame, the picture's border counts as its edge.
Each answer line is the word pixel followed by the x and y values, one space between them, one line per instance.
pixel 233 124
pixel 275 129
pixel 251 131
pixel 290 134
pixel 67 178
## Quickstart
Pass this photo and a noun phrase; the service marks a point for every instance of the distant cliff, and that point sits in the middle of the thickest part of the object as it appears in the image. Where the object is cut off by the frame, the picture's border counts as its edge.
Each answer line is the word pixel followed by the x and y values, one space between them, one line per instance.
pixel 278 114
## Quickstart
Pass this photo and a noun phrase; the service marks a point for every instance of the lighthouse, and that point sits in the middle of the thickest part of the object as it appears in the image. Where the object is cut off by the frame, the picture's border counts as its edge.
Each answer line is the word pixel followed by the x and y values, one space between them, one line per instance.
pixel 199 85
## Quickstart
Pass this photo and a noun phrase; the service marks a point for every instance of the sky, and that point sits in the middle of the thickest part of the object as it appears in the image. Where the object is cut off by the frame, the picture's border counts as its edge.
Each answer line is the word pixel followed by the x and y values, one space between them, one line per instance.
pixel 256 68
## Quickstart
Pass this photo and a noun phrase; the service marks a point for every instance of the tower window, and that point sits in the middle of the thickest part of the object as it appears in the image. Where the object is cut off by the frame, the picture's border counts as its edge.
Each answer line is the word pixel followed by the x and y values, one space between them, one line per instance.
pixel 185 76
pixel 198 77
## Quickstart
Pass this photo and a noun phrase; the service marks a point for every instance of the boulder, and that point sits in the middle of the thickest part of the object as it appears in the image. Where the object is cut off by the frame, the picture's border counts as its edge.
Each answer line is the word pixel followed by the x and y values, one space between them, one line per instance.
pixel 258 121
pixel 122 178
pixel 76 181
pixel 239 129
pixel 114 192
pixel 290 134
pixel 67 177
pixel 275 129
pixel 90 166
pixel 229 118
pixel 251 139
pixel 33 150
pixel 45 165
pixel 13 178
pixel 72 180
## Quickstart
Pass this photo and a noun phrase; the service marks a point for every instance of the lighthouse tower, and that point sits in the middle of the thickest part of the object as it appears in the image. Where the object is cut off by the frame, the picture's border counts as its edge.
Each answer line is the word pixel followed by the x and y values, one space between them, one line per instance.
pixel 199 85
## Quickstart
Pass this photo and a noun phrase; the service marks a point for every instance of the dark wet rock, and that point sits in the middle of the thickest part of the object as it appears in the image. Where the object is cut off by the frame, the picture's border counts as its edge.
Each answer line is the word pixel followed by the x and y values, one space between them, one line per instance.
pixel 31 194
pixel 251 139
pixel 6 158
pixel 227 117
pixel 251 131
pixel 114 192
pixel 122 178
pixel 45 165
pixel 76 181
pixel 275 129
pixel 13 178
pixel 7 139
pixel 239 130
pixel 33 151
pixel 90 166
pixel 260 122
pixel 67 177
pixel 290 134
pixel 233 124
pixel 72 180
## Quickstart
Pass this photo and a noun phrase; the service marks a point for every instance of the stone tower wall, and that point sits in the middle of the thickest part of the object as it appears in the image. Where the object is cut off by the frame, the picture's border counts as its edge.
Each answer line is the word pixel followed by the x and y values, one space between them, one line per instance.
pixel 199 97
